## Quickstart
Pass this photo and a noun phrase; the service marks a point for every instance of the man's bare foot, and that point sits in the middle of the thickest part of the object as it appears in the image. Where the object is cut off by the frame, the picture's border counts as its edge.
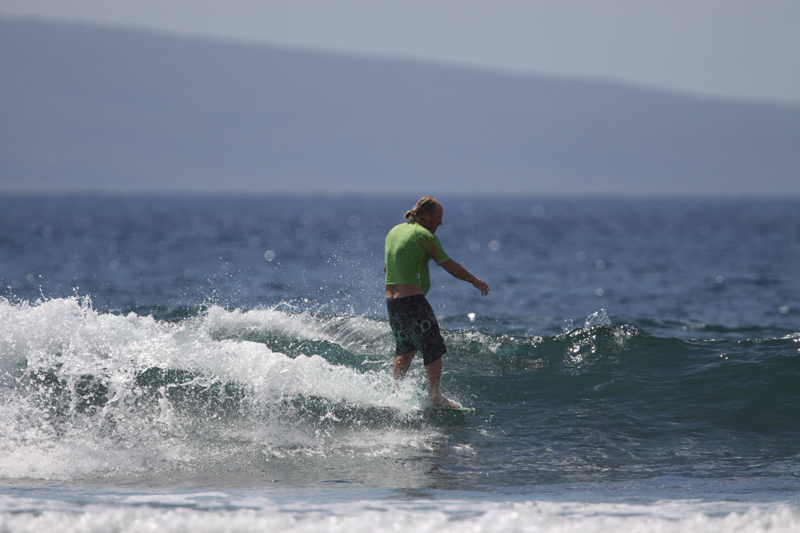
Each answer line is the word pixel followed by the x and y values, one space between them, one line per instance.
pixel 441 401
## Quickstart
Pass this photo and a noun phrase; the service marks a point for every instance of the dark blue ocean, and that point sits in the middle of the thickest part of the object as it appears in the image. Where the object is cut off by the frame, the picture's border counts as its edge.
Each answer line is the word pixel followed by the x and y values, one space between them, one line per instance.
pixel 224 364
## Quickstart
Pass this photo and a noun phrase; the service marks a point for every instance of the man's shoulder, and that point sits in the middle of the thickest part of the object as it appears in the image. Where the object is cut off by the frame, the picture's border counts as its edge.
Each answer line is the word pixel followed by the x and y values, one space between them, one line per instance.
pixel 398 228
pixel 413 231
pixel 410 227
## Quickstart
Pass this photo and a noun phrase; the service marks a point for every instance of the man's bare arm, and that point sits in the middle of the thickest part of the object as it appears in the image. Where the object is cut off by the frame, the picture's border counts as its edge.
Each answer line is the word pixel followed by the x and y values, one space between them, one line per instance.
pixel 458 271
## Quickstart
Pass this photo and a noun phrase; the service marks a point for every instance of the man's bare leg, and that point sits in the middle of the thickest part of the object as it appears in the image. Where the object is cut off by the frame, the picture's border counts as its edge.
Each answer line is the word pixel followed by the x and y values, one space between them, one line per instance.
pixel 402 363
pixel 435 397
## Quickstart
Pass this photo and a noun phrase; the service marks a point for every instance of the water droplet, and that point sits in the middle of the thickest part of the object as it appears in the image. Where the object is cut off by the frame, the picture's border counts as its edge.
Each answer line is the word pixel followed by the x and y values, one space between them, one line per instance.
pixel 598 318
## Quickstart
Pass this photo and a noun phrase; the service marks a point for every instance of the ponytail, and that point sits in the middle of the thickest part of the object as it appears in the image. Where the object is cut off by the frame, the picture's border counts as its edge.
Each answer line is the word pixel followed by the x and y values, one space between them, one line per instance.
pixel 426 204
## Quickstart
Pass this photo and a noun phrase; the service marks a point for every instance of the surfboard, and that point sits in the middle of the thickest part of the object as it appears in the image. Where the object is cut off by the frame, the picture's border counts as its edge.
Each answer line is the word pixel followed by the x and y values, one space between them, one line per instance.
pixel 455 409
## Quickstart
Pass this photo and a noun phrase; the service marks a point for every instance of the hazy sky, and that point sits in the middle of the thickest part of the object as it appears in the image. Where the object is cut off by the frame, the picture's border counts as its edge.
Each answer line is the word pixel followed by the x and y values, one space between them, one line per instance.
pixel 730 48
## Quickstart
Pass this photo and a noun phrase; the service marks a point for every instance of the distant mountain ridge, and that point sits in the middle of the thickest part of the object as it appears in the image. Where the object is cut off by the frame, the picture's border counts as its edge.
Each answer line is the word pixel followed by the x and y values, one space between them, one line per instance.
pixel 90 109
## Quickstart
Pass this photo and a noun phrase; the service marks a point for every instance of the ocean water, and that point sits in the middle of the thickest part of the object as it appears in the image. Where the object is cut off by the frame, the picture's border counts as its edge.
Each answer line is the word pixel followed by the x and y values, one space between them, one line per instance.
pixel 224 364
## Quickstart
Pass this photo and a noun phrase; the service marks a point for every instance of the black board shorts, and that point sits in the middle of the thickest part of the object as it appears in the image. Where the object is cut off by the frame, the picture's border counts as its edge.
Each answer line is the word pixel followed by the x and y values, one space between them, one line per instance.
pixel 415 327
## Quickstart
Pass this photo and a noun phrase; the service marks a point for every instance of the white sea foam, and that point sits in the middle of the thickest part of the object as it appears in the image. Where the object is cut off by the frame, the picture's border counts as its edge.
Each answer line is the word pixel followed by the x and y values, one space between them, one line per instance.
pixel 353 333
pixel 47 348
pixel 217 512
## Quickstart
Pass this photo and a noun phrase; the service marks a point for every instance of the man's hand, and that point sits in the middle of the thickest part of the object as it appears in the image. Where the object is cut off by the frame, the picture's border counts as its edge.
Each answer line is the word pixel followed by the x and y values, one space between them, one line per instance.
pixel 481 286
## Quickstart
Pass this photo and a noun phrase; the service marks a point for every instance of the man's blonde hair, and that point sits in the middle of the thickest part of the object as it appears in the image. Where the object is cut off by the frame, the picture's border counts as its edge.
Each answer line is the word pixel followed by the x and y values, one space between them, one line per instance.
pixel 426 204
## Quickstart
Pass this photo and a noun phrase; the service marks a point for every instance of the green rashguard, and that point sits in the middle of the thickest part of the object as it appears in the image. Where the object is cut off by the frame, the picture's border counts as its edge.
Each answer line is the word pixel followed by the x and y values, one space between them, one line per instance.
pixel 409 247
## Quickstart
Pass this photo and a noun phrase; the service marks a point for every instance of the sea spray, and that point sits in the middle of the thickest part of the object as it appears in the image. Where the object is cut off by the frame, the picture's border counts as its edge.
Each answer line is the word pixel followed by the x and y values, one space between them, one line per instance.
pixel 153 394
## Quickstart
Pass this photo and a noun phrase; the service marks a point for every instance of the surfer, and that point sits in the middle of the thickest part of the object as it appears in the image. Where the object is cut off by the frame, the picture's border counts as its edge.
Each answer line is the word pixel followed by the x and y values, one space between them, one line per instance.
pixel 409 247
